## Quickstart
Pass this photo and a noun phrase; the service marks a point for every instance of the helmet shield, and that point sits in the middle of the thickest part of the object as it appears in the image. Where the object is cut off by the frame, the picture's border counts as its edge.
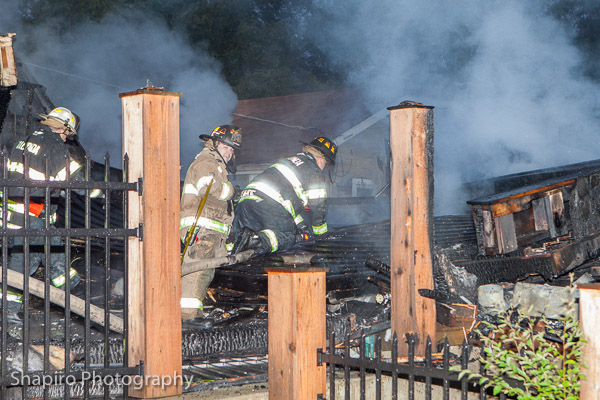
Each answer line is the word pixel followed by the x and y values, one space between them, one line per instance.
pixel 228 134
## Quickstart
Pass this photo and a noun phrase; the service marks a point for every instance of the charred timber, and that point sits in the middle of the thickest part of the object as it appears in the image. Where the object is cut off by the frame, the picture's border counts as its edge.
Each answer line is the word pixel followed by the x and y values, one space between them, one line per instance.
pixel 200 344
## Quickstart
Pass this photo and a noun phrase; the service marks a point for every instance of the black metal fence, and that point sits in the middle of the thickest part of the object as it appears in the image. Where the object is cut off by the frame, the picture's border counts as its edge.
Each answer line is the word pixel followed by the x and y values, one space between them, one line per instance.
pixel 427 376
pixel 66 341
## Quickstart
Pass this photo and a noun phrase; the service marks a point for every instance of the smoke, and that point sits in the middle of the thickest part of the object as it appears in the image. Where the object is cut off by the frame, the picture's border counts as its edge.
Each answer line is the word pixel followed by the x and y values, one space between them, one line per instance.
pixel 86 70
pixel 503 76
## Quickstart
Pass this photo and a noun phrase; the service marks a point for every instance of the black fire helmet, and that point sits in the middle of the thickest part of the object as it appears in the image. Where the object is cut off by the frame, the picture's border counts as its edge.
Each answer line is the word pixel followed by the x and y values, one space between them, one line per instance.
pixel 325 146
pixel 229 134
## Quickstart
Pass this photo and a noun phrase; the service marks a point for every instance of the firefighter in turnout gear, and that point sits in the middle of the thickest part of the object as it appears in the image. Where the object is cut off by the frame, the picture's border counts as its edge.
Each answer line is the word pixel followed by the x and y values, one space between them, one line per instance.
pixel 286 203
pixel 208 172
pixel 46 154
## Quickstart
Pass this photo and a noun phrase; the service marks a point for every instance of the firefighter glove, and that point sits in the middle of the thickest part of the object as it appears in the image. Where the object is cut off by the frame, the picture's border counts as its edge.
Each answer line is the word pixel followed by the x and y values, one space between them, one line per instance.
pixel 305 233
pixel 237 191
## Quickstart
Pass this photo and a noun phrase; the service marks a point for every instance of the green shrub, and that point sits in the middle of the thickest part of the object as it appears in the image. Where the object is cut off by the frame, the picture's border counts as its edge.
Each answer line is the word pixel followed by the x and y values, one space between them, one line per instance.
pixel 546 362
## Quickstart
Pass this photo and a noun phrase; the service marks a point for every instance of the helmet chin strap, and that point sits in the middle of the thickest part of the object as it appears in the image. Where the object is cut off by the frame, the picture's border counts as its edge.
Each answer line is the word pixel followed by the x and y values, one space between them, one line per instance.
pixel 230 165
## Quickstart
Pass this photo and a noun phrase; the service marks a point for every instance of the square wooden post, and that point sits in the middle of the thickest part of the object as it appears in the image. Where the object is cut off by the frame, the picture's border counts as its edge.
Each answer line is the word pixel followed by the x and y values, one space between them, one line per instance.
pixel 411 147
pixel 589 310
pixel 296 330
pixel 151 140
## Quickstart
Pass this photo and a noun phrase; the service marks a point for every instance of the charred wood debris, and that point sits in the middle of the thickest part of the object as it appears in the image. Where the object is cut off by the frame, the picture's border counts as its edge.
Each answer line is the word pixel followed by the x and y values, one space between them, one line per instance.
pixel 515 250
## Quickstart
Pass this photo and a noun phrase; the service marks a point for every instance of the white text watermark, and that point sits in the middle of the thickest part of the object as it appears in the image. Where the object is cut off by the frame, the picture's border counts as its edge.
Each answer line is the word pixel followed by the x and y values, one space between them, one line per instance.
pixel 93 377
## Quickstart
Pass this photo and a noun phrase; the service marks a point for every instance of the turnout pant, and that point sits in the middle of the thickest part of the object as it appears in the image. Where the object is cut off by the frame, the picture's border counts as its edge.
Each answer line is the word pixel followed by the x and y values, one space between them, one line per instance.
pixel 269 220
pixel 37 256
pixel 194 286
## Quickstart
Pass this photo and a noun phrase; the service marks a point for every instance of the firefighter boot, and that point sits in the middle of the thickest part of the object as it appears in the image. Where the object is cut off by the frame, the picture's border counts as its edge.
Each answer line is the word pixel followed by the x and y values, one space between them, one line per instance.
pixel 241 242
pixel 193 289
pixel 204 281
pixel 259 246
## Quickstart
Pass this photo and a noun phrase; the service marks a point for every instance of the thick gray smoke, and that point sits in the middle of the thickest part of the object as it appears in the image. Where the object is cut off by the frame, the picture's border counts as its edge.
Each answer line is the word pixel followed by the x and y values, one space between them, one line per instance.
pixel 502 76
pixel 88 68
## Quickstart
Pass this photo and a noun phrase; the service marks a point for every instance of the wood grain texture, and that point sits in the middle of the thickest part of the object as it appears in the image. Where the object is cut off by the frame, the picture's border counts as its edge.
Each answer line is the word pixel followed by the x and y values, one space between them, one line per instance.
pixel 296 330
pixel 589 309
pixel 411 145
pixel 151 139
pixel 8 69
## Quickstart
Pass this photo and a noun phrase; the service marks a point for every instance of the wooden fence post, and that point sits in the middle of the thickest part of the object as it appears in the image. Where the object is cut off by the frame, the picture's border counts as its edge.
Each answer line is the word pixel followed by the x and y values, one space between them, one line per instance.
pixel 411 147
pixel 296 330
pixel 151 140
pixel 589 310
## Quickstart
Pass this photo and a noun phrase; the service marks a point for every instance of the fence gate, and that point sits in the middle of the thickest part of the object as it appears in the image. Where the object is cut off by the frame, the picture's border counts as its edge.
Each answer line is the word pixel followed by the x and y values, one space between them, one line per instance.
pixel 60 338
pixel 360 357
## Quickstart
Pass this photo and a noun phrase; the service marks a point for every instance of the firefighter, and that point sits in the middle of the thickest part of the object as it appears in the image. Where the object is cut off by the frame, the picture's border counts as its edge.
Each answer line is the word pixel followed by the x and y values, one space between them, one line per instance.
pixel 286 203
pixel 209 169
pixel 47 147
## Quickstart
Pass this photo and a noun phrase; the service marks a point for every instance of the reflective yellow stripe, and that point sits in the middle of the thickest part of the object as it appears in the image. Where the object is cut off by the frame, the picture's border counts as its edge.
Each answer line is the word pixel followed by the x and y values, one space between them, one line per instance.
pixel 211 224
pixel 274 194
pixel 298 220
pixel 13 296
pixel 60 280
pixel 227 190
pixel 17 207
pixel 14 166
pixel 272 239
pixel 188 188
pixel 316 194
pixel 293 180
pixel 319 230
pixel 62 174
pixel 250 197
pixel 191 302
pixel 10 225
pixel 95 193
pixel 204 181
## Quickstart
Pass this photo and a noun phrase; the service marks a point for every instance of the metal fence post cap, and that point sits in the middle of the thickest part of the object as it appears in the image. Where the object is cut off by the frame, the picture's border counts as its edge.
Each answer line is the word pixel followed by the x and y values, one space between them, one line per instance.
pixel 296 268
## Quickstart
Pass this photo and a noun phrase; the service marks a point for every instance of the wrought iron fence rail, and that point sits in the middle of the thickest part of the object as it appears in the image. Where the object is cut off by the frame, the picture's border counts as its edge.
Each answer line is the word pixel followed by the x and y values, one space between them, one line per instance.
pixel 387 366
pixel 102 185
pixel 73 232
pixel 429 370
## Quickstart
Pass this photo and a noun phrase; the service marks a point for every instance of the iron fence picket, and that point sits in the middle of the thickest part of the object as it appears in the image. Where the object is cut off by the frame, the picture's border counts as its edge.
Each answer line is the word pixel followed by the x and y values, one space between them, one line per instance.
pixel 378 370
pixel 125 178
pixel 394 367
pixel 428 367
pixel 464 382
pixel 4 333
pixel 446 366
pixel 411 364
pixel 362 348
pixel 347 368
pixel 67 353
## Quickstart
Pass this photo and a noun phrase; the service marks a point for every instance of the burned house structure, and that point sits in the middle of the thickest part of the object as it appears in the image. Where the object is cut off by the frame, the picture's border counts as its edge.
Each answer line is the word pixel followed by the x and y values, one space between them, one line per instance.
pixel 534 226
